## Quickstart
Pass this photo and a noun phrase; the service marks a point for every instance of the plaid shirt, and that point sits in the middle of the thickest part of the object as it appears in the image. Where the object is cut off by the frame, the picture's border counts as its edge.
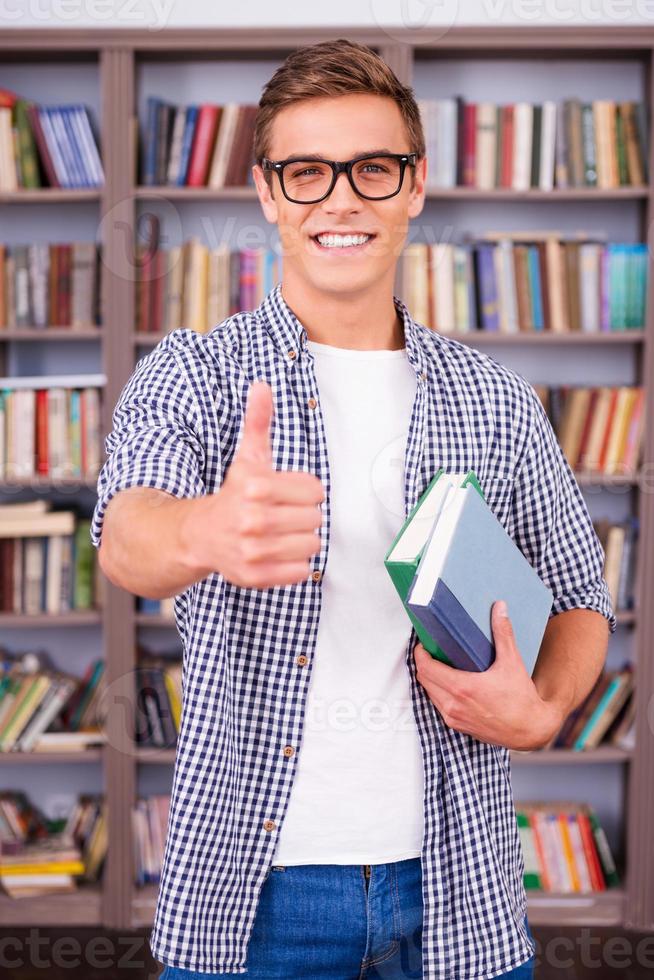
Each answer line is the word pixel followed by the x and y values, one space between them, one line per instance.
pixel 248 653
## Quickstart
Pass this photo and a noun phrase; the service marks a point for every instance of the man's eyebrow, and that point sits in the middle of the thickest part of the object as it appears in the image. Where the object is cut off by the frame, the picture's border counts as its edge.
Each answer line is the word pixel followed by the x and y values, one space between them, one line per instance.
pixel 320 156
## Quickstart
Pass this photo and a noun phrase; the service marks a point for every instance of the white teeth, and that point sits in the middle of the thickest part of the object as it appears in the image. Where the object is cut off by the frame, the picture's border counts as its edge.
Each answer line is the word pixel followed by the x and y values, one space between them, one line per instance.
pixel 342 241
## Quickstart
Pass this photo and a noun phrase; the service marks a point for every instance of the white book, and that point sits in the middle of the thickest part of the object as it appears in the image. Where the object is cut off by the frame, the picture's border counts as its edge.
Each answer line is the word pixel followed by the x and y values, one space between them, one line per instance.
pixel 547 145
pixel 523 117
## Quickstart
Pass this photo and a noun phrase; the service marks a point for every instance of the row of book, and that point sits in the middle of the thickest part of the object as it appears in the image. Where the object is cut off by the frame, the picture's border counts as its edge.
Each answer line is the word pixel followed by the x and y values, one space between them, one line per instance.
pixel 41 856
pixel 46 146
pixel 50 426
pixel 572 143
pixel 197 287
pixel 47 561
pixel 607 716
pixel 198 145
pixel 619 541
pixel 149 826
pixel 600 429
pixel 38 700
pixel 521 282
pixel 50 285
pixel 158 690
pixel 565 848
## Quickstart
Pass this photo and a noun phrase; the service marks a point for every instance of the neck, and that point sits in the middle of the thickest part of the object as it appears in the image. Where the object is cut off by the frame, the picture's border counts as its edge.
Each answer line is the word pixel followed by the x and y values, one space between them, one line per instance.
pixel 365 320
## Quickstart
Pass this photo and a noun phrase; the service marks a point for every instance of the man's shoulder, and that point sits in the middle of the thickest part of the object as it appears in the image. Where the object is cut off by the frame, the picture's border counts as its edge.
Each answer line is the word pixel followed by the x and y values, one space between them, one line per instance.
pixel 470 366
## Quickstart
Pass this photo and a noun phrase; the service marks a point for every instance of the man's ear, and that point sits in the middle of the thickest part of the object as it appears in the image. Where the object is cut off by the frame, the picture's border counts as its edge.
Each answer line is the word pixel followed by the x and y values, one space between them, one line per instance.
pixel 268 204
pixel 417 192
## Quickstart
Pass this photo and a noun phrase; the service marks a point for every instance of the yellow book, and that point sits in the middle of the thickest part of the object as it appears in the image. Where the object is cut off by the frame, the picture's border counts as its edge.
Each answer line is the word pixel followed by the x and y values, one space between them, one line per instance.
pixel 45 868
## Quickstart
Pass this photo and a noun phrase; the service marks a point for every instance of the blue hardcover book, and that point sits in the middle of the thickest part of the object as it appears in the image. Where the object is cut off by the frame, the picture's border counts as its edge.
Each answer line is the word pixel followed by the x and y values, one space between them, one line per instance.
pixel 488 311
pixel 535 288
pixel 468 563
pixel 187 143
pixel 149 164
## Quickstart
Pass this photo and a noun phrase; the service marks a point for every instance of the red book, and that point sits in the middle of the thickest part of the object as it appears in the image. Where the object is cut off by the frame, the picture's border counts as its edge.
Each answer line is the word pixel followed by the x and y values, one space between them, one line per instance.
pixel 507 146
pixel 592 858
pixel 469 144
pixel 607 432
pixel 203 143
pixel 42 430
pixel 42 146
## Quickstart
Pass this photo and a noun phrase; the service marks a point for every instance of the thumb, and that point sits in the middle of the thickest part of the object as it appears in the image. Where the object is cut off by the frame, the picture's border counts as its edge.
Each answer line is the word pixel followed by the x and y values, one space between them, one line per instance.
pixel 255 444
pixel 503 631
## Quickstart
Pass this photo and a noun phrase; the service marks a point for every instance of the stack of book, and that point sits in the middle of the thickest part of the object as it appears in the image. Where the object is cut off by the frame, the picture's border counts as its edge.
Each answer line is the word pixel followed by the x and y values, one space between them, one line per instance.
pixel 525 282
pixel 158 702
pixel 50 426
pixel 47 561
pixel 600 429
pixel 45 285
pixel 605 717
pixel 198 145
pixel 196 287
pixel 42 857
pixel 149 824
pixel 520 145
pixel 44 709
pixel 565 848
pixel 44 146
pixel 619 541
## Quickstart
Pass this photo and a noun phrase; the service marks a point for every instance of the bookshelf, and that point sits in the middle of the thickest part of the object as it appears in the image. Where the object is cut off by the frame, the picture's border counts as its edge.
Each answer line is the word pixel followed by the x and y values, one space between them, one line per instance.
pixel 120 69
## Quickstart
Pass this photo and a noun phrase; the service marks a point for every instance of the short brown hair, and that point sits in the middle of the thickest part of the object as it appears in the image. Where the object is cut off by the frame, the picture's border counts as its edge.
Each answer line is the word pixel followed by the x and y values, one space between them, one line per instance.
pixel 332 68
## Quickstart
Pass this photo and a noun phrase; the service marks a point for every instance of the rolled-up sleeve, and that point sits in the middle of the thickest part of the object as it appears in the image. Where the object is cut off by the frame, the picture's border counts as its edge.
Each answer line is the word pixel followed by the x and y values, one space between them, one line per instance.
pixel 552 525
pixel 154 440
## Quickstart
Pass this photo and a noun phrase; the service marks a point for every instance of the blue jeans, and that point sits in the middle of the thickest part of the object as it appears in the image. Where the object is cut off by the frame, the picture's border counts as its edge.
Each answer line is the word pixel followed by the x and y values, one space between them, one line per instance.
pixel 327 922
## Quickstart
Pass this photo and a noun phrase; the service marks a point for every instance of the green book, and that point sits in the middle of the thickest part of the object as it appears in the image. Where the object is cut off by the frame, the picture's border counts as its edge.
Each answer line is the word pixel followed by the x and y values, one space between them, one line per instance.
pixel 532 878
pixel 403 556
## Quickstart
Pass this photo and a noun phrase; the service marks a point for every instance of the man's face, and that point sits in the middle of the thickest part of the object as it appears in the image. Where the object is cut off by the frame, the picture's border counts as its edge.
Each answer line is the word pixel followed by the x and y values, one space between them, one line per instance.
pixel 341 128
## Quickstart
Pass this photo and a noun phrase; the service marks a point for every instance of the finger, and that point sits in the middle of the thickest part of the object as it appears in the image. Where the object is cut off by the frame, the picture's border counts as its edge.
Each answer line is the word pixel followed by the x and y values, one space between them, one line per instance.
pixel 503 634
pixel 290 518
pixel 269 574
pixel 433 669
pixel 285 547
pixel 255 443
pixel 285 487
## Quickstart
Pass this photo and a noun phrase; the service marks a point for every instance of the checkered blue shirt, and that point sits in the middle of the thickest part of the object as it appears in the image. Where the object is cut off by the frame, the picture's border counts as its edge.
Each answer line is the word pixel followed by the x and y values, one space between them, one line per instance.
pixel 176 427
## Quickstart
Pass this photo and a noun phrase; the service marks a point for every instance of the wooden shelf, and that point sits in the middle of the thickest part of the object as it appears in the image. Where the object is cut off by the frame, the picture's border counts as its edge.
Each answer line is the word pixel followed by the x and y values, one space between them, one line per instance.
pixel 160 622
pixel 535 194
pixel 591 909
pixel 156 756
pixel 488 337
pixel 45 758
pixel 569 757
pixel 249 193
pixel 91 617
pixel 50 333
pixel 607 479
pixel 173 193
pixel 49 195
pixel 83 907
pixel 48 482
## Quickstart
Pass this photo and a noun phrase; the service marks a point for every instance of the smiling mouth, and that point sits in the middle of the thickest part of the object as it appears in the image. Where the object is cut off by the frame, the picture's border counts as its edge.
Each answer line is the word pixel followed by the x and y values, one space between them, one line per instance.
pixel 337 243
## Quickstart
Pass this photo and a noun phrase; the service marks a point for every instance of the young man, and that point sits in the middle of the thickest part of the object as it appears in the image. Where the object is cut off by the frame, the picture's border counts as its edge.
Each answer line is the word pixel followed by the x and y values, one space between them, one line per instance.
pixel 342 802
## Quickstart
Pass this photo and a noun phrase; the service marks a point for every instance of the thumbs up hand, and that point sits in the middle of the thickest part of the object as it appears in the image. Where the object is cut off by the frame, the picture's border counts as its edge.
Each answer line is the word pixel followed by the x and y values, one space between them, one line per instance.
pixel 265 521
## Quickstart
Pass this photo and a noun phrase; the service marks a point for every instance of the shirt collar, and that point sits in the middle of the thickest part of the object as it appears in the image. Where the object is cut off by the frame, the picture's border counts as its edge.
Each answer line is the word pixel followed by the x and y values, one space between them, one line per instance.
pixel 290 336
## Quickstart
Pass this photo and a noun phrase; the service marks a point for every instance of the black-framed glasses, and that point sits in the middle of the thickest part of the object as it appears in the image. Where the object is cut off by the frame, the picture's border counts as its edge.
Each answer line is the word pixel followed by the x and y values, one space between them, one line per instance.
pixel 372 177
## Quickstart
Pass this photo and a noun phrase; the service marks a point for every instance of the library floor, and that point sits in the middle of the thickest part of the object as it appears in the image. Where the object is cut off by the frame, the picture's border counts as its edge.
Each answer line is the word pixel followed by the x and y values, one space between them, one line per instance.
pixel 86 954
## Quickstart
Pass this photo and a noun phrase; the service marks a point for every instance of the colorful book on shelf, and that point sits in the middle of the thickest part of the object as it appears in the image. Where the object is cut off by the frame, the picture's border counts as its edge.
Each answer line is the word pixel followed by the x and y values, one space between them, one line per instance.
pixel 469 562
pixel 403 556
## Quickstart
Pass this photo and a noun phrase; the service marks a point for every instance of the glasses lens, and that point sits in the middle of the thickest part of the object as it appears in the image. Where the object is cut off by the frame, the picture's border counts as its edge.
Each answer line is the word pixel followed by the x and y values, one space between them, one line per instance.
pixel 376 176
pixel 306 180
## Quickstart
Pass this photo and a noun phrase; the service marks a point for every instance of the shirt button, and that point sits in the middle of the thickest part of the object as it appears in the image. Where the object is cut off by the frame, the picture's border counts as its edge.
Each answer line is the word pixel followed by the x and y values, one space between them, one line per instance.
pixel 312 403
pixel 269 825
pixel 289 751
pixel 292 354
pixel 301 660
pixel 316 576
pixel 424 375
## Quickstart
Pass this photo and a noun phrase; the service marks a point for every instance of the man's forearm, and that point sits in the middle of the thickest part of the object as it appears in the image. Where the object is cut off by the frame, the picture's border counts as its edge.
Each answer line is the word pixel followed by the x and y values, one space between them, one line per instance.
pixel 571 657
pixel 145 547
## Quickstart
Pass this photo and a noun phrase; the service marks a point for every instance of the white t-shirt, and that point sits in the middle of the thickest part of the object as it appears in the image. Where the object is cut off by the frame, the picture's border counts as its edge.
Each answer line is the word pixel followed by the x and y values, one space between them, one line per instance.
pixel 357 797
